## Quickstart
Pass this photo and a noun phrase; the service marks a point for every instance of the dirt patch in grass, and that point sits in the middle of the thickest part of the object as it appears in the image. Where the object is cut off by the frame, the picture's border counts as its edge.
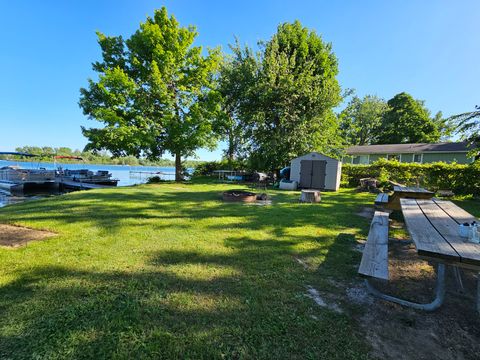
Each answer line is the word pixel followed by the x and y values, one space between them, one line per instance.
pixel 15 236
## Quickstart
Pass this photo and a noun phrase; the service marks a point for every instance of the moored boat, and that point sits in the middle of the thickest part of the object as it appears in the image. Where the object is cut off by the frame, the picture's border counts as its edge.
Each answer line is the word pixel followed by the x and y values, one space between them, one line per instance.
pixel 15 179
pixel 83 176
pixel 100 177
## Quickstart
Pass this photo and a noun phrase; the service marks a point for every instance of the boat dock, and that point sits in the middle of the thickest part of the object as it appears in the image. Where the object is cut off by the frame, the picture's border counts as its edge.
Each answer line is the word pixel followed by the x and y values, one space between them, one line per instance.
pixel 77 185
pixel 152 172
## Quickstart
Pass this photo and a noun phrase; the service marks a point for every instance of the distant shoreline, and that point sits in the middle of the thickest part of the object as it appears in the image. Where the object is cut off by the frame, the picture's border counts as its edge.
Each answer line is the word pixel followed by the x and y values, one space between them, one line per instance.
pixel 187 163
pixel 83 163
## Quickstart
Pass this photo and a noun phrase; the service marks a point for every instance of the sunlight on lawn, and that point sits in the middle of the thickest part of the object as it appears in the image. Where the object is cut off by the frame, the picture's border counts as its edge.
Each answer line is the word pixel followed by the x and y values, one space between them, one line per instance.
pixel 135 270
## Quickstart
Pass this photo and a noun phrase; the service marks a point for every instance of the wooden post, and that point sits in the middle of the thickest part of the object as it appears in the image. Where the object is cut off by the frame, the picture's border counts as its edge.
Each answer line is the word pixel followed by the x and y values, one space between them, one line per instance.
pixel 310 196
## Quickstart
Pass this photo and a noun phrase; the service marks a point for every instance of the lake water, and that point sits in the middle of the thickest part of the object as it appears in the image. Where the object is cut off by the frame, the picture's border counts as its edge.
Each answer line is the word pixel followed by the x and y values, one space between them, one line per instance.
pixel 128 175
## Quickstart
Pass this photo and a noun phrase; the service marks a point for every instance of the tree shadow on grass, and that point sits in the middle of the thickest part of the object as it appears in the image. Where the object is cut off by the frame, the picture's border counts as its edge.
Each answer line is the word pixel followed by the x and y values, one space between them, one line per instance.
pixel 113 209
pixel 246 302
pixel 242 298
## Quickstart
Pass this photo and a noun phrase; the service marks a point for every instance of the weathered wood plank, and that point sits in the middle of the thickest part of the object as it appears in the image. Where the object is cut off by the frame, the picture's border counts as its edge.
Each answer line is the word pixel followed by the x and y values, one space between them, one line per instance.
pixel 375 255
pixel 381 199
pixel 413 190
pixel 448 228
pixel 455 212
pixel 427 239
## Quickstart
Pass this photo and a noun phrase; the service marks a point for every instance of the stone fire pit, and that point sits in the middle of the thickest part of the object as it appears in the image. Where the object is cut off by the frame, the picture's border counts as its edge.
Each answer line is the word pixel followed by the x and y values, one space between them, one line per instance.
pixel 239 196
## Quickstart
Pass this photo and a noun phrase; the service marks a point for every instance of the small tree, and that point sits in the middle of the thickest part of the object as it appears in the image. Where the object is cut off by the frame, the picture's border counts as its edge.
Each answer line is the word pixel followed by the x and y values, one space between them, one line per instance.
pixel 407 121
pixel 155 93
pixel 361 120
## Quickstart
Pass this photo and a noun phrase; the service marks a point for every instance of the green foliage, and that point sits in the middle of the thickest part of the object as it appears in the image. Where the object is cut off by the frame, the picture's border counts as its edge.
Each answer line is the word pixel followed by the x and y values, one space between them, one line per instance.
pixel 46 154
pixel 468 126
pixel 445 127
pixel 238 74
pixel 155 93
pixel 407 121
pixel 154 180
pixel 207 168
pixel 291 90
pixel 361 120
pixel 461 179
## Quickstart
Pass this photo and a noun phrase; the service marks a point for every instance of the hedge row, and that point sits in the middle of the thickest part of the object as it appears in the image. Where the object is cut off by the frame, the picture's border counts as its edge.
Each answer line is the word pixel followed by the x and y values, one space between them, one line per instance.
pixel 461 179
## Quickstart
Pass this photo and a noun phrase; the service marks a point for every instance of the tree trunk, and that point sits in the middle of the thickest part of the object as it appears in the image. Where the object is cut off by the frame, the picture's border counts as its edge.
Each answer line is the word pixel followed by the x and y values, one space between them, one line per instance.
pixel 178 168
pixel 230 149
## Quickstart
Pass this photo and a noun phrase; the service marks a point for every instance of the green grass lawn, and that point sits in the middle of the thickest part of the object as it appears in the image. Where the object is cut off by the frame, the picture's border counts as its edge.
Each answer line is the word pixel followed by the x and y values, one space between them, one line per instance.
pixel 170 271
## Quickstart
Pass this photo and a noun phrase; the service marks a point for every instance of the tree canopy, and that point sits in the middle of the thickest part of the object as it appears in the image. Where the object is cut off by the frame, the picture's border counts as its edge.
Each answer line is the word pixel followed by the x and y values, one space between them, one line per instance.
pixel 155 93
pixel 407 121
pixel 361 120
pixel 238 75
pixel 468 126
pixel 288 105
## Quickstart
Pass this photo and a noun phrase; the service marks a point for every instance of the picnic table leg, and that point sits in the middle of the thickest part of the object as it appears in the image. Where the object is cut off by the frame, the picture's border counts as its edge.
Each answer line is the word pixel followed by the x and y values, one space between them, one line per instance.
pixel 435 304
pixel 458 278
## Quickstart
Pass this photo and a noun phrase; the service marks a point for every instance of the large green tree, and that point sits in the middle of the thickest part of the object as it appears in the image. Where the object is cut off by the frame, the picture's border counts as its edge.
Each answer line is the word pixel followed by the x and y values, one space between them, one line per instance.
pixel 407 121
pixel 361 120
pixel 155 93
pixel 290 105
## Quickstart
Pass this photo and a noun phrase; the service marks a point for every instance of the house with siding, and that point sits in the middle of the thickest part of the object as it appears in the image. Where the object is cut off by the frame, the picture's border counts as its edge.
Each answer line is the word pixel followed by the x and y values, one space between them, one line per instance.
pixel 448 152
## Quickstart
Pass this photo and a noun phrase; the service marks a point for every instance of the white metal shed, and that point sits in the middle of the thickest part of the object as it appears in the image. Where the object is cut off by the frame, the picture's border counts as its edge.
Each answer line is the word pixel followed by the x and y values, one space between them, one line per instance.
pixel 316 171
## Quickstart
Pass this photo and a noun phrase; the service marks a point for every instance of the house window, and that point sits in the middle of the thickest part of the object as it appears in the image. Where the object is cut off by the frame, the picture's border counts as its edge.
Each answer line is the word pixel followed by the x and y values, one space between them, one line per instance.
pixel 356 160
pixel 393 157
pixel 417 158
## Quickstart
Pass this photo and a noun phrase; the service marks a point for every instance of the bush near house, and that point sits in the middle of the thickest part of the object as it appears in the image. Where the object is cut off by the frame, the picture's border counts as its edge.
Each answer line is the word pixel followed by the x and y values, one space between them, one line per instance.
pixel 461 179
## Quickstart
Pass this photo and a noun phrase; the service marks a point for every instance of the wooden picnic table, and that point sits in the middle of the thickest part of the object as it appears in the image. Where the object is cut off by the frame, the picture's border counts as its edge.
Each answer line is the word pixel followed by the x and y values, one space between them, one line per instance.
pixel 409 192
pixel 433 226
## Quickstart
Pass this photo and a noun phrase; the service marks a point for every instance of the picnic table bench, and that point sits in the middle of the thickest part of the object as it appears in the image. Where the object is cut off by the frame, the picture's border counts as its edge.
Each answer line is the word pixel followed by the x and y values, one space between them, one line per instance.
pixel 433 226
pixel 375 254
pixel 381 200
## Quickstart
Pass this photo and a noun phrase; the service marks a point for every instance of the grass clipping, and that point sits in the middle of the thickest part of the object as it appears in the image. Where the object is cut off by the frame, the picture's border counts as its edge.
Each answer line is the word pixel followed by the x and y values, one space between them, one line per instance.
pixel 15 236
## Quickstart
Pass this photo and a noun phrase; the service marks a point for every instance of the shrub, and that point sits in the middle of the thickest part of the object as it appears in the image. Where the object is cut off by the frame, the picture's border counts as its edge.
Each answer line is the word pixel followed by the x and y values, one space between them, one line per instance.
pixel 207 168
pixel 461 179
pixel 154 179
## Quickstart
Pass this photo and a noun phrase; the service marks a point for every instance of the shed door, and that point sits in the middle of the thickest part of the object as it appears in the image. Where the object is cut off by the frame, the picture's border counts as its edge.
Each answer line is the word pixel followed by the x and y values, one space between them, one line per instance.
pixel 318 174
pixel 306 173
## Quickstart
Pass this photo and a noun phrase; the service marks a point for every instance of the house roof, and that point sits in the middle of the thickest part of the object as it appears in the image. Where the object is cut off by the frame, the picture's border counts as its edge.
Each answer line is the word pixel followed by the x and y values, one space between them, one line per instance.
pixel 408 148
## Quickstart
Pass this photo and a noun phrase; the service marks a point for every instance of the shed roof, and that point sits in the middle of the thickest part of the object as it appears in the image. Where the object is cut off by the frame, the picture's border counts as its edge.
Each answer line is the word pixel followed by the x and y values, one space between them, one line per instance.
pixel 316 153
pixel 408 148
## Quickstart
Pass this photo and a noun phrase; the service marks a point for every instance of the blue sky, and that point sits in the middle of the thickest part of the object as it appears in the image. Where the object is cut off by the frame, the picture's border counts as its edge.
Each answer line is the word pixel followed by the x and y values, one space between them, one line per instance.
pixel 430 49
